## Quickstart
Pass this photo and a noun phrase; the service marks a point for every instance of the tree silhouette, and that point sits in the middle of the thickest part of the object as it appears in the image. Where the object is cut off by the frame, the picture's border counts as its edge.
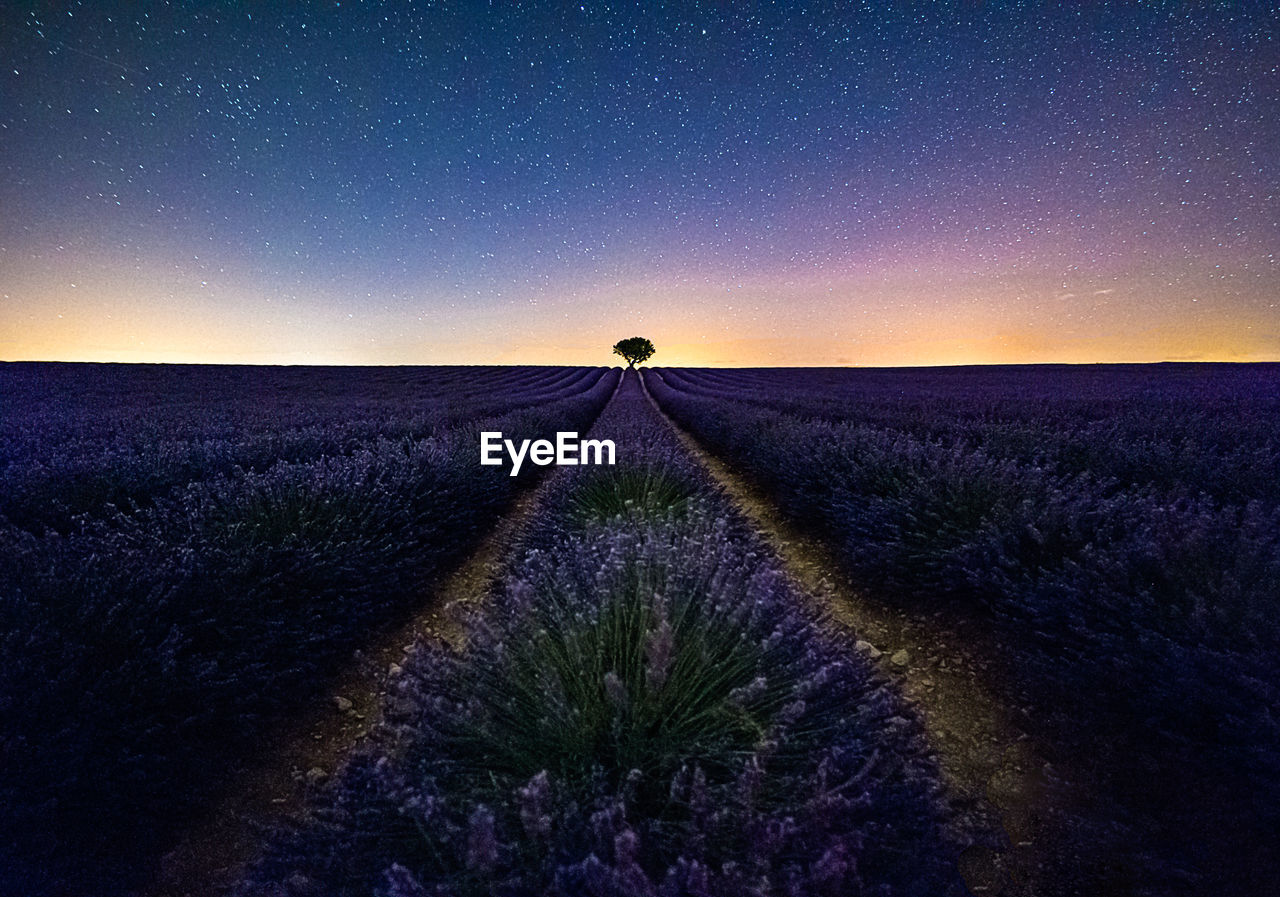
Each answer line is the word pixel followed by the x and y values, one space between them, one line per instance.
pixel 635 349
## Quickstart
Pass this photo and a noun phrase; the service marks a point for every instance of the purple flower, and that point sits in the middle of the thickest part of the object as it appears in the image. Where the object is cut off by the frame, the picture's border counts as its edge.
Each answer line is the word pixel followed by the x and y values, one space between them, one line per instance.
pixel 534 800
pixel 616 690
pixel 402 883
pixel 659 648
pixel 482 842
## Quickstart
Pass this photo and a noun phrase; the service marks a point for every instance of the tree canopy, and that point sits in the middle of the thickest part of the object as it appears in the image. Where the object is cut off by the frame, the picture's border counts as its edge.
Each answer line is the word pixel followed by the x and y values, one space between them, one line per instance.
pixel 634 349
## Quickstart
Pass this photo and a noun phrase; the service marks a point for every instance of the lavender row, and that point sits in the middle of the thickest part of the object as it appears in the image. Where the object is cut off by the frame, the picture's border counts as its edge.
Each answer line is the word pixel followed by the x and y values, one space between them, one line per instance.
pixel 644 707
pixel 1184 430
pixel 77 438
pixel 1139 632
pixel 142 653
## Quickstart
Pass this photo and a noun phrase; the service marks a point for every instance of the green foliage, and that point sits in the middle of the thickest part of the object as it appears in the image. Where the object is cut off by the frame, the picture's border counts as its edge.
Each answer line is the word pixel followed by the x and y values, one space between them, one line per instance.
pixel 608 493
pixel 634 349
pixel 641 686
pixel 285 511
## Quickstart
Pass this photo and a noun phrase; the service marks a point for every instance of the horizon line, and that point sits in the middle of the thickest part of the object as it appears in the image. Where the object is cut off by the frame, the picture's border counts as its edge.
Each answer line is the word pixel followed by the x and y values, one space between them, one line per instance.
pixel 852 367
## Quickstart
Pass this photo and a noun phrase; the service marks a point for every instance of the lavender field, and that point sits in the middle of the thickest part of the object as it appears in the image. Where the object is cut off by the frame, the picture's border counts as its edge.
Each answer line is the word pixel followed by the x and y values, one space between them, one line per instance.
pixel 644 708
pixel 643 697
pixel 1114 531
pixel 190 551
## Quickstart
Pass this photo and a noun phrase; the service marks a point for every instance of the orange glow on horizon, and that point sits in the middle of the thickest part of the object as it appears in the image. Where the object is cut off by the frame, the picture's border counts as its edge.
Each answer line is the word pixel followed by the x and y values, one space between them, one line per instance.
pixel 887 321
pixel 200 344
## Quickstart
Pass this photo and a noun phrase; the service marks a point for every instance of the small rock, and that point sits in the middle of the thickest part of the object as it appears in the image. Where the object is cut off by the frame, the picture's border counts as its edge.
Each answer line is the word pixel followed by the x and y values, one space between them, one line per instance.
pixel 395 670
pixel 316 775
pixel 900 658
pixel 871 650
pixel 343 704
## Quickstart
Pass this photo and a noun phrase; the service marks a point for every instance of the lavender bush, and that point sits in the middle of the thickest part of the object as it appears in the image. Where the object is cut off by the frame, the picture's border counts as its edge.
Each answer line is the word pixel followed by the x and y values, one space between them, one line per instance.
pixel 644 490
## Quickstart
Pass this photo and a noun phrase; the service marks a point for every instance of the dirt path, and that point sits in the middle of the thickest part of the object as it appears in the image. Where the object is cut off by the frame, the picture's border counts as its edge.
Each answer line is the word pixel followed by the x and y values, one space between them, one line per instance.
pixel 1000 785
pixel 313 747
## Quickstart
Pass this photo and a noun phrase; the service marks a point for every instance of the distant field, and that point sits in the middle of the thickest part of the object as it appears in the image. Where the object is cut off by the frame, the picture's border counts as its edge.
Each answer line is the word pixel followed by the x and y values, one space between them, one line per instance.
pixel 647 703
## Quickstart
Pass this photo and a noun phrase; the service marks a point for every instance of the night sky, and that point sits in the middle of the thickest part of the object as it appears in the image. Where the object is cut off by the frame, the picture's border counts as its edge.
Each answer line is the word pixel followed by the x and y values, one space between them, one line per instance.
pixel 743 183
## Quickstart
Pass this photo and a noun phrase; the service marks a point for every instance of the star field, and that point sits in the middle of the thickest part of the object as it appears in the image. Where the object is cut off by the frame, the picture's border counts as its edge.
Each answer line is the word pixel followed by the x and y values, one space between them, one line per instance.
pixel 747 183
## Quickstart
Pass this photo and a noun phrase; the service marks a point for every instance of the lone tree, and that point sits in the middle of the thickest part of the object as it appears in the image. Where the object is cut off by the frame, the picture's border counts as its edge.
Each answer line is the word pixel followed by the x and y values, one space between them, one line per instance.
pixel 634 350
